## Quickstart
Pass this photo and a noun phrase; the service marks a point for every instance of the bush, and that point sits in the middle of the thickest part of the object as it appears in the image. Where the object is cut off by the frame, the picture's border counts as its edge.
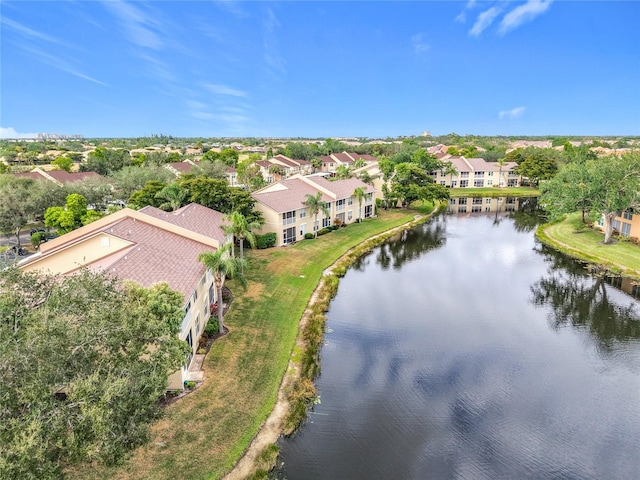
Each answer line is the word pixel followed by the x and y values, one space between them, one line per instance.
pixel 308 236
pixel 323 231
pixel 265 241
pixel 189 384
pixel 212 328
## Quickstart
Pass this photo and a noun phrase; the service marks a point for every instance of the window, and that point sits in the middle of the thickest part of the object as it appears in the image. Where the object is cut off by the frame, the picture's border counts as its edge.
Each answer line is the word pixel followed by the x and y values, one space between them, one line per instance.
pixel 350 214
pixel 478 183
pixel 627 215
pixel 454 183
pixel 489 183
pixel 443 182
pixel 452 201
pixel 476 209
pixel 350 201
pixel 340 217
pixel 462 209
pixel 487 201
pixel 303 230
pixel 303 212
pixel 479 174
pixel 326 222
pixel 340 204
pixel 477 201
pixel 197 325
pixel 289 235
pixel 462 201
pixel 490 174
pixel 368 211
pixel 487 209
pixel 368 197
pixel 288 218
pixel 464 174
pixel 195 295
pixel 626 229
pixel 464 183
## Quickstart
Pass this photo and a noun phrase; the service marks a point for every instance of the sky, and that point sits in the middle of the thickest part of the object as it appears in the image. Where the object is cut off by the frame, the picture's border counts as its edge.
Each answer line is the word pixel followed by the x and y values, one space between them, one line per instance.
pixel 317 69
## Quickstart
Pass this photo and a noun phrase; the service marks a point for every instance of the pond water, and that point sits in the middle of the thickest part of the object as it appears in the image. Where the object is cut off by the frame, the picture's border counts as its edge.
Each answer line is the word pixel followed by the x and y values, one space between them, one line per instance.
pixel 464 349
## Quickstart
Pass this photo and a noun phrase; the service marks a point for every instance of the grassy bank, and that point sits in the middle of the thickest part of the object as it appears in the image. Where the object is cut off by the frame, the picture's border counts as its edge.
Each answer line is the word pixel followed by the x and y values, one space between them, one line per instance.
pixel 204 434
pixel 570 236
pixel 495 192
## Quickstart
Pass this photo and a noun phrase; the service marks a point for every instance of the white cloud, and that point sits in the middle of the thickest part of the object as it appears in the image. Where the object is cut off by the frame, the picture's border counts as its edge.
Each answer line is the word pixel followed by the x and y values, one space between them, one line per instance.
pixel 522 14
pixel 271 55
pixel 220 89
pixel 485 19
pixel 138 24
pixel 513 113
pixel 462 16
pixel 419 44
pixel 61 64
pixel 9 132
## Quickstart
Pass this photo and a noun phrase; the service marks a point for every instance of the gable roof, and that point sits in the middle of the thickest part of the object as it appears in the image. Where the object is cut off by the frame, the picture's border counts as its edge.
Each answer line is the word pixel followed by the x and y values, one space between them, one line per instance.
pixel 153 246
pixel 287 195
pixel 60 177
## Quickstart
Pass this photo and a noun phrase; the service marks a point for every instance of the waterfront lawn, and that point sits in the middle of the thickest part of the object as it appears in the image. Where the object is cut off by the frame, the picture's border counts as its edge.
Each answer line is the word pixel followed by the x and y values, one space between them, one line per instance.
pixel 494 192
pixel 579 241
pixel 204 434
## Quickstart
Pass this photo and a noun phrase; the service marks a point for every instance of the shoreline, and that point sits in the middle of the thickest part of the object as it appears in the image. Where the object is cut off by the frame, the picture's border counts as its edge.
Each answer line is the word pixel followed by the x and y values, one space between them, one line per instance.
pixel 273 427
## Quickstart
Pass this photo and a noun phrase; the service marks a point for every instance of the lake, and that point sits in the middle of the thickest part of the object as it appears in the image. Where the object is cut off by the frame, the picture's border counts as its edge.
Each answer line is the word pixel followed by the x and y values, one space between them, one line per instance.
pixel 465 349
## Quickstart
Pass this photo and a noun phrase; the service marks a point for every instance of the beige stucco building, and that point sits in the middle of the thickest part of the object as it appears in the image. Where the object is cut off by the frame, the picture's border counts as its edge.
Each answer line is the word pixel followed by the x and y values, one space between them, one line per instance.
pixel 282 205
pixel 148 246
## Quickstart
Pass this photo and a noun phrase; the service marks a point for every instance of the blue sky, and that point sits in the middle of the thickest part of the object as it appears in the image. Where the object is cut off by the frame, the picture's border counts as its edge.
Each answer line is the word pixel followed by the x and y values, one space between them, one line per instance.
pixel 319 69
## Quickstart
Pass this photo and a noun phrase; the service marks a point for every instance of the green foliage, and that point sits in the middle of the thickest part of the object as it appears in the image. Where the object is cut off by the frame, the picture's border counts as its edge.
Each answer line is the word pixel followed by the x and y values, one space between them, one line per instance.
pixel 147 195
pixel 322 231
pixel 308 236
pixel 85 360
pixel 73 215
pixel 267 240
pixel 316 205
pixel 213 327
pixel 106 160
pixel 63 163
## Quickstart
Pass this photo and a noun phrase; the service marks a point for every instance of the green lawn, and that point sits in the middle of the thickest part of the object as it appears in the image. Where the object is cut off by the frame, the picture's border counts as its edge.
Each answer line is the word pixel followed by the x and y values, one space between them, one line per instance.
pixel 571 237
pixel 494 192
pixel 204 434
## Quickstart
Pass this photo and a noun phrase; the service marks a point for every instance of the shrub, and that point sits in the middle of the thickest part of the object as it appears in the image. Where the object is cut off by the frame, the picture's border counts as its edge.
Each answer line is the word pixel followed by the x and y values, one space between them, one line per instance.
pixel 308 236
pixel 265 241
pixel 323 231
pixel 212 328
pixel 189 384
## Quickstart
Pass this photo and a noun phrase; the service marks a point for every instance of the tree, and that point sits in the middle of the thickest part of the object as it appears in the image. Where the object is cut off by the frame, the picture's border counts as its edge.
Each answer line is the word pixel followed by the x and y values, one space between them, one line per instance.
pixel 343 172
pixel 450 169
pixel 316 205
pixel 501 162
pixel 411 183
pixel 85 359
pixel 360 194
pixel 174 197
pixel 222 266
pixel 106 160
pixel 229 156
pixel 240 228
pixel 130 179
pixel 73 215
pixel 147 195
pixel 23 200
pixel 63 163
pixel 607 186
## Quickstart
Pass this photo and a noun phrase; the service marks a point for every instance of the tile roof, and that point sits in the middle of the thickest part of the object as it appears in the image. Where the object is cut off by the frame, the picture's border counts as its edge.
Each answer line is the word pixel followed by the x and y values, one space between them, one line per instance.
pixel 342 188
pixel 194 217
pixel 158 252
pixel 287 195
pixel 66 177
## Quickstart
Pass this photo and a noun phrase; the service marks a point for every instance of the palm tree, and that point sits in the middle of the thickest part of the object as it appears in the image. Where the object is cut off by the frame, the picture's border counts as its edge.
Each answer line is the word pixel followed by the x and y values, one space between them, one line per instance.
pixel 450 169
pixel 502 162
pixel 316 205
pixel 222 266
pixel 359 193
pixel 241 228
pixel 174 195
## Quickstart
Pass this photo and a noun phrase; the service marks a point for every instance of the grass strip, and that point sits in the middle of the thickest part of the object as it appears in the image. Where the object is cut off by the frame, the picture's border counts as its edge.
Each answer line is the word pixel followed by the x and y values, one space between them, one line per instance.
pixel 580 241
pixel 204 434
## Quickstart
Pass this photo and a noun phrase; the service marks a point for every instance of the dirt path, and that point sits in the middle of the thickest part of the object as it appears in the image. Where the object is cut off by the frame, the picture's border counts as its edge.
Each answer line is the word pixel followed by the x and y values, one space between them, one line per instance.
pixel 272 428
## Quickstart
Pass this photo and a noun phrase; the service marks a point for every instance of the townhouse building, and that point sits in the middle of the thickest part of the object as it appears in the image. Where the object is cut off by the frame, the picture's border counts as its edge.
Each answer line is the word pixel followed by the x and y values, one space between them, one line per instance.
pixel 147 246
pixel 282 205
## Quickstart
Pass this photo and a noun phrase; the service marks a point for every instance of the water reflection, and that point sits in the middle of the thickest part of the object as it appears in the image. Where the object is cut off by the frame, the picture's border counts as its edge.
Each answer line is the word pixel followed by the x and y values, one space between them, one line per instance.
pixel 441 363
pixel 581 300
pixel 410 245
